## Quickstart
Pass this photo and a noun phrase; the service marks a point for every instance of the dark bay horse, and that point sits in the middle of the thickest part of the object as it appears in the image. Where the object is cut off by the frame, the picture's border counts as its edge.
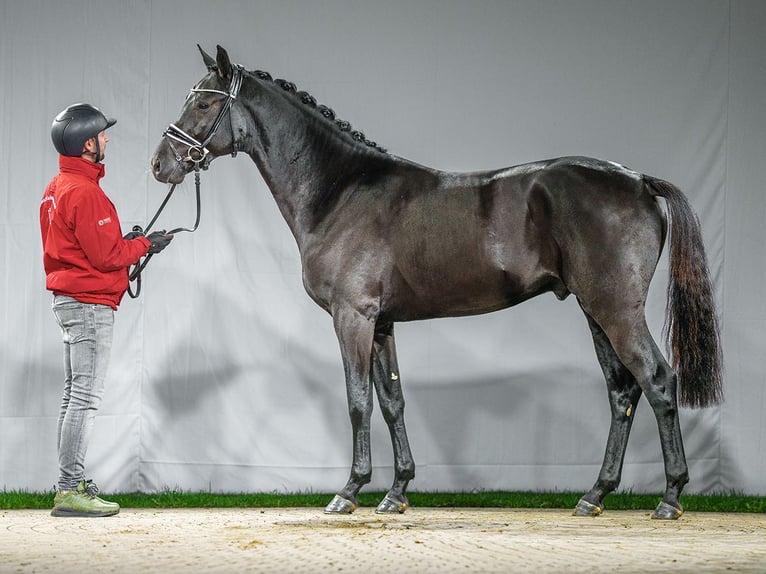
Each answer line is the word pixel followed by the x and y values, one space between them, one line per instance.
pixel 383 239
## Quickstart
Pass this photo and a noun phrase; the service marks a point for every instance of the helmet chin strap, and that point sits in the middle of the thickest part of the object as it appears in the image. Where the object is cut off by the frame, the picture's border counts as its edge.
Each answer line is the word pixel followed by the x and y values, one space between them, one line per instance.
pixel 98 156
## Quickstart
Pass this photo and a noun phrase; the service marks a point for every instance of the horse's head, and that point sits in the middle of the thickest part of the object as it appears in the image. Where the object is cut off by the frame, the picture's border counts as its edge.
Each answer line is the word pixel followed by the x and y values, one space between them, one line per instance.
pixel 201 133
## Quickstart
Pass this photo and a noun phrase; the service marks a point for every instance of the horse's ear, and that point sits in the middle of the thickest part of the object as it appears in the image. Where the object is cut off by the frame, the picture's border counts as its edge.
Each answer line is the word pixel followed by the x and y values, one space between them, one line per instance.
pixel 209 61
pixel 224 64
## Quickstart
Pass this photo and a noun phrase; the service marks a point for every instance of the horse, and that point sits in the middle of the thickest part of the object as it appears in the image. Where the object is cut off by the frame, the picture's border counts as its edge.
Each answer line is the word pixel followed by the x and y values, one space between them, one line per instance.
pixel 383 239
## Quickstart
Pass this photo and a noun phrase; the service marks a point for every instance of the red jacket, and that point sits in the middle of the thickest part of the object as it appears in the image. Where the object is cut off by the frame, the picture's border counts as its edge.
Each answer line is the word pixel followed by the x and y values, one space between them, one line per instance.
pixel 84 254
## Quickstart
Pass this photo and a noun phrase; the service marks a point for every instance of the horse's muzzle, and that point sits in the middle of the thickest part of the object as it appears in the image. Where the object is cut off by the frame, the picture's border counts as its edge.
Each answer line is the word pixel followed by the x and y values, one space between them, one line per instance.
pixel 166 169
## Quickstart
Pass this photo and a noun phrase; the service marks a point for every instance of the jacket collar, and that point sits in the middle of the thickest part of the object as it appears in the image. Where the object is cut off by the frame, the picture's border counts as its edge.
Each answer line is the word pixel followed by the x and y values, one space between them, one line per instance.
pixel 81 166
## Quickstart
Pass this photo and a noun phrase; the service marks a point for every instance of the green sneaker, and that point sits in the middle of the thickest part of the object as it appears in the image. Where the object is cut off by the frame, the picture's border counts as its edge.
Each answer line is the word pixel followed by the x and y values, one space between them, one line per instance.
pixel 82 502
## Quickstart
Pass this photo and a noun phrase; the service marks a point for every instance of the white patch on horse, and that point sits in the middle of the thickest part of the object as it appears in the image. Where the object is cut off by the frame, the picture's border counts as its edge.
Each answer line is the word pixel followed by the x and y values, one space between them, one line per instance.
pixel 627 171
pixel 519 170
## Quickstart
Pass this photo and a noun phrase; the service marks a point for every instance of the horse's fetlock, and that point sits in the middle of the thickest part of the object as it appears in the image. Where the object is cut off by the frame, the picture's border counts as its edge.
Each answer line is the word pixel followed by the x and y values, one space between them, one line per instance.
pixel 363 478
pixel 608 485
pixel 406 472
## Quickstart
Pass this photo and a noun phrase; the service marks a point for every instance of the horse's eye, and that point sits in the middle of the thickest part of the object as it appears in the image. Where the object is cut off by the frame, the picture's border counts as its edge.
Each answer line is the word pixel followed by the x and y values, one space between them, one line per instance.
pixel 203 105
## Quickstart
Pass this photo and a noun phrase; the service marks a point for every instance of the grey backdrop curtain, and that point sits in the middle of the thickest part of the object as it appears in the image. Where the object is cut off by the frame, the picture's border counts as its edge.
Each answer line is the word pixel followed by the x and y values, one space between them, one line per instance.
pixel 225 376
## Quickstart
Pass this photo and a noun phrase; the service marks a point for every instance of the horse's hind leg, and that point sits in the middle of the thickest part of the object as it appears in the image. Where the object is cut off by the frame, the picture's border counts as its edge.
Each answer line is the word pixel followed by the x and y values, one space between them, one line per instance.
pixel 385 374
pixel 624 394
pixel 636 349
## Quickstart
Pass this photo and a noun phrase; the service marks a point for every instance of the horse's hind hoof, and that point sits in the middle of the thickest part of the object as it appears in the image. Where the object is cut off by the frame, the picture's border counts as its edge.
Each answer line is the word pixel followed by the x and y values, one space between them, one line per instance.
pixel 390 505
pixel 665 511
pixel 340 505
pixel 585 508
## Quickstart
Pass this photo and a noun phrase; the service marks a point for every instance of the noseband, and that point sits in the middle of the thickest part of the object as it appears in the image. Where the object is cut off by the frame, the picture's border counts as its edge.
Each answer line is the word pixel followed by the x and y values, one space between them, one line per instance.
pixel 196 151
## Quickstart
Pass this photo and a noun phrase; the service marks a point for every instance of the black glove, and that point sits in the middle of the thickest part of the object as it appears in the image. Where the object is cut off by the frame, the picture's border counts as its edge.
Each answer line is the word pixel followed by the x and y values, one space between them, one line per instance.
pixel 135 234
pixel 159 241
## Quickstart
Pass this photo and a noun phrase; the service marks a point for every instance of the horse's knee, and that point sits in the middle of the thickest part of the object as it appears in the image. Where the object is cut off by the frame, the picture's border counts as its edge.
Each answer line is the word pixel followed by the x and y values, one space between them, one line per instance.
pixel 392 409
pixel 359 411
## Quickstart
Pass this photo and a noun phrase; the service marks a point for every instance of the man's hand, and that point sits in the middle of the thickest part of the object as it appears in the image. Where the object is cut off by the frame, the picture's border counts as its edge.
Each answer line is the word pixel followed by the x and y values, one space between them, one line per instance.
pixel 135 234
pixel 159 241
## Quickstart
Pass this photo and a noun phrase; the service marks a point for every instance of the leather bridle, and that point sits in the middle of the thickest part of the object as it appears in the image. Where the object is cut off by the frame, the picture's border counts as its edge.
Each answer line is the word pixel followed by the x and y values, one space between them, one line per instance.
pixel 196 151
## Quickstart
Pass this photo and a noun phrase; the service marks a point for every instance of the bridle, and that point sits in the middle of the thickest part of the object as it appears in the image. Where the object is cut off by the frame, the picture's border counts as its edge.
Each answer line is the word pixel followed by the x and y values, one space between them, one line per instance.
pixel 196 153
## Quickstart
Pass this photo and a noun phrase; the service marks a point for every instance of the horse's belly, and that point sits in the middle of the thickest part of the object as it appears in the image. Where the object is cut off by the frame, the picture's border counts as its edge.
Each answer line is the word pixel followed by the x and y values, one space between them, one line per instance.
pixel 459 291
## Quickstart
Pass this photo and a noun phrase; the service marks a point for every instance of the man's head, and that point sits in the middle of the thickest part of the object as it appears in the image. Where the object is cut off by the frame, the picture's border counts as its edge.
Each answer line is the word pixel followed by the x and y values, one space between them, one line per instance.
pixel 80 131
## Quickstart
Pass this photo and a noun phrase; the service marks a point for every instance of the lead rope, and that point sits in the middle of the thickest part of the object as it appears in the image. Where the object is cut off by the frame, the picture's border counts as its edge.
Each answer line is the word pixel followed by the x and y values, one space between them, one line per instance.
pixel 135 272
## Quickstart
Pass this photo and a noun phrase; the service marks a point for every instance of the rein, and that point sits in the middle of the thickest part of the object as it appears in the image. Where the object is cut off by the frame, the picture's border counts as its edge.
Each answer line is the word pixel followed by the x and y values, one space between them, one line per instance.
pixel 135 273
pixel 197 153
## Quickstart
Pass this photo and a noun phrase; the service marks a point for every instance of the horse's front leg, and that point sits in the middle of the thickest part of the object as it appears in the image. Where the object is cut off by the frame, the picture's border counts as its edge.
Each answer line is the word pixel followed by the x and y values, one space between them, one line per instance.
pixel 355 334
pixel 385 374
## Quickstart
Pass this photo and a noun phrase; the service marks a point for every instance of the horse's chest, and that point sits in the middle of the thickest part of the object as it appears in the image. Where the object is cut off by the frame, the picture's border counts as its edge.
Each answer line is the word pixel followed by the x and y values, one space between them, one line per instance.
pixel 333 268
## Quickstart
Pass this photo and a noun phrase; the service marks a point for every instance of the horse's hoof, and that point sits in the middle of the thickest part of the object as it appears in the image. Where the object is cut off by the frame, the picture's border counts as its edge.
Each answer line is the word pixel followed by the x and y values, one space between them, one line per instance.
pixel 340 505
pixel 665 511
pixel 390 505
pixel 585 508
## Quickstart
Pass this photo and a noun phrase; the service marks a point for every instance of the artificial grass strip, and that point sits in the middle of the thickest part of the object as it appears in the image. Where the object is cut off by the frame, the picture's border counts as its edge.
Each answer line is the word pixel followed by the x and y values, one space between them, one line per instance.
pixel 483 499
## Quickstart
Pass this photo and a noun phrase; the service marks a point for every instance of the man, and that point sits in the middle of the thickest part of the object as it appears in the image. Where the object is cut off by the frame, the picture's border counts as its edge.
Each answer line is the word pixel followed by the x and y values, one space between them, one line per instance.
pixel 86 262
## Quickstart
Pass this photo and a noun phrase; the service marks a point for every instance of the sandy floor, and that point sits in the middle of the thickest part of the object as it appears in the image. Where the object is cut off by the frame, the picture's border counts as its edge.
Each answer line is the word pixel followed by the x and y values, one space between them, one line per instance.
pixel 422 540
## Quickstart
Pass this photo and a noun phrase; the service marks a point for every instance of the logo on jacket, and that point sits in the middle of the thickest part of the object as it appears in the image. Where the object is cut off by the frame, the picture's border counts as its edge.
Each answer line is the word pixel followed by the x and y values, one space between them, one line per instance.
pixel 104 221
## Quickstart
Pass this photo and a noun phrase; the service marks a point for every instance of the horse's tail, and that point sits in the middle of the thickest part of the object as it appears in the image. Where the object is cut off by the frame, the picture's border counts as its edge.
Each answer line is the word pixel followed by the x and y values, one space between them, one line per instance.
pixel 691 326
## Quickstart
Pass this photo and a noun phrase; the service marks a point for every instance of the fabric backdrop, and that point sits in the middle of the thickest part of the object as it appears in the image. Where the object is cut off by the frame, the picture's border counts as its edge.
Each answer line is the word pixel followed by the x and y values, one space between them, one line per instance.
pixel 225 376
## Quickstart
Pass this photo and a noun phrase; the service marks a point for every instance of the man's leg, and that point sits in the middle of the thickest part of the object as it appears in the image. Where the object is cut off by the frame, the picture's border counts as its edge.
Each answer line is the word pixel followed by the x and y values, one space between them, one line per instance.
pixel 87 335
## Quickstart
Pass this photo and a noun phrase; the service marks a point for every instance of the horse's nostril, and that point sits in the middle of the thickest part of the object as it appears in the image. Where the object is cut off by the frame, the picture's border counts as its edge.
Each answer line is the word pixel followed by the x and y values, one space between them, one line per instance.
pixel 155 163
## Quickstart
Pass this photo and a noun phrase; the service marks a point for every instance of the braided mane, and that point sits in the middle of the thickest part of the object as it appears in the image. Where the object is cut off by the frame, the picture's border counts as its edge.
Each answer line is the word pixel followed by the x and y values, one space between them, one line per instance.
pixel 326 112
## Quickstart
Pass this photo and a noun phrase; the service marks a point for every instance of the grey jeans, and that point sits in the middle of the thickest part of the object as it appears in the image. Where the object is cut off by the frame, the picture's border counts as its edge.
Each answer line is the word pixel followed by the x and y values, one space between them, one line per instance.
pixel 86 330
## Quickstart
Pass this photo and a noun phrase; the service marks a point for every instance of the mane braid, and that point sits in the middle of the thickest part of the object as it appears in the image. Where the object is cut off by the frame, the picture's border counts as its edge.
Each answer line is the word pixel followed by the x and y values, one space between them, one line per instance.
pixel 323 110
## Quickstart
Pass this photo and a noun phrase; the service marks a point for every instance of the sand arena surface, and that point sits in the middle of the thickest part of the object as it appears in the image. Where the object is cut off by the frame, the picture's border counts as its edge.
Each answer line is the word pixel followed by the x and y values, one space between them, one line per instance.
pixel 421 540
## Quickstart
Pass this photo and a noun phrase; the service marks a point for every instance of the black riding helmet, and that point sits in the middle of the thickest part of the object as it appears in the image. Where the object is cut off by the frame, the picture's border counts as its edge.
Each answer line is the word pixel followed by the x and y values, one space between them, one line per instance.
pixel 76 125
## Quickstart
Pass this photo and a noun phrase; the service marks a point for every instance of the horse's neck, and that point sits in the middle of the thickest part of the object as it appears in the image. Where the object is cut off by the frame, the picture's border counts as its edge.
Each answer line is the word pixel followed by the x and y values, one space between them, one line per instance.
pixel 303 159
